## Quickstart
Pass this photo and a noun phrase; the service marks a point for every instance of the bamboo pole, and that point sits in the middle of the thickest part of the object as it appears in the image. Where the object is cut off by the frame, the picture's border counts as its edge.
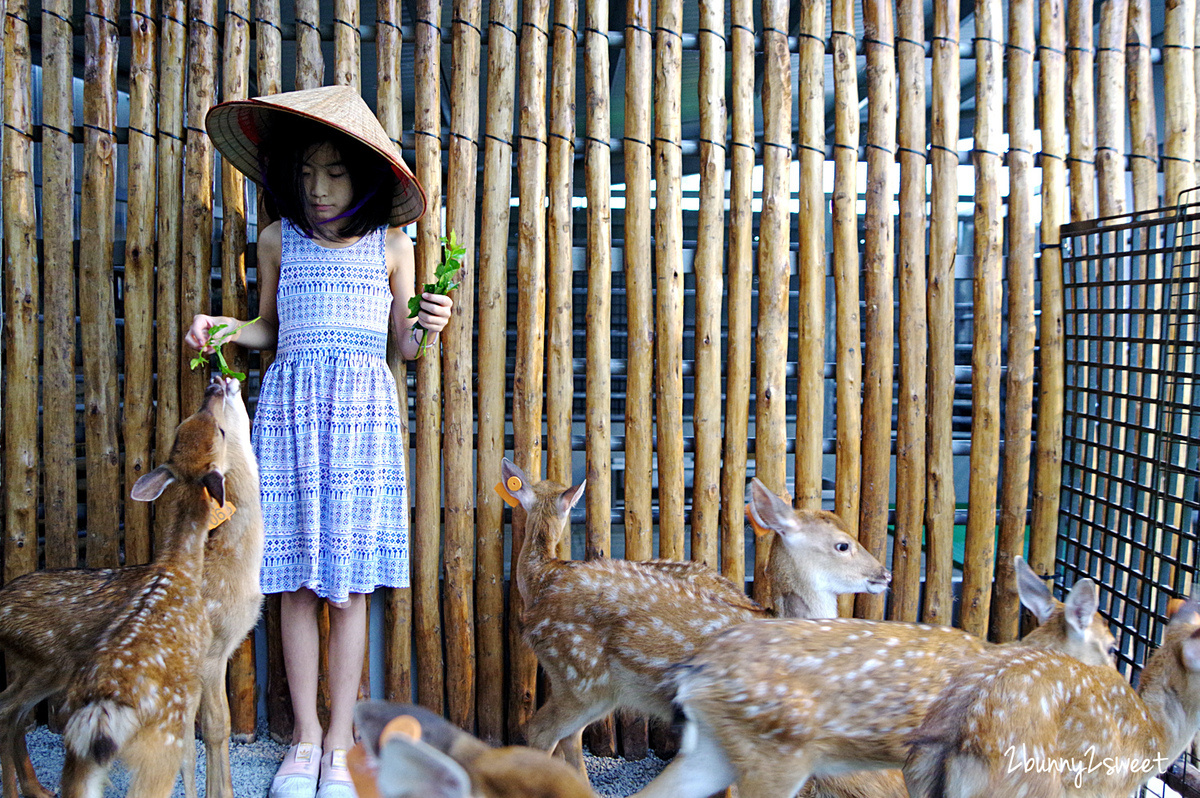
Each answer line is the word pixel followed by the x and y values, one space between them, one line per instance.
pixel 1179 105
pixel 913 328
pixel 1081 107
pixel 458 548
pixel 668 265
pixel 560 381
pixel 427 472
pixel 1142 125
pixel 740 268
pixel 979 557
pixel 235 301
pixel 639 369
pixel 96 309
pixel 710 288
pixel 531 316
pixel 1048 460
pixel 810 382
pixel 845 272
pixel 878 270
pixel 347 60
pixel 1111 107
pixel 493 310
pixel 1022 329
pixel 22 295
pixel 774 270
pixel 138 409
pixel 58 290
pixel 310 64
pixel 943 249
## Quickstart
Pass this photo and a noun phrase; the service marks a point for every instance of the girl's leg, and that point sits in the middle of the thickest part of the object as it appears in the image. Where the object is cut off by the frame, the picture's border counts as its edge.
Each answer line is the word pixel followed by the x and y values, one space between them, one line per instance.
pixel 347 646
pixel 301 660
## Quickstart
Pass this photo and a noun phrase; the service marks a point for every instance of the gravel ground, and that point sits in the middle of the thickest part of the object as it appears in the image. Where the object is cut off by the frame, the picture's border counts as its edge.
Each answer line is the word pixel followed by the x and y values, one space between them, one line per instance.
pixel 254 764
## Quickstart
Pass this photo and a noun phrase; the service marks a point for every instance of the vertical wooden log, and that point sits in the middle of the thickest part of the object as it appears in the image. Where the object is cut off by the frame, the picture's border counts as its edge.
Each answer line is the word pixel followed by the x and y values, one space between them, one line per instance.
pixel 138 410
pixel 458 548
pixel 774 270
pixel 878 274
pixel 196 261
pixel 740 268
pixel 1048 463
pixel 1111 105
pixel 846 268
pixel 268 47
pixel 427 473
pixel 1179 99
pixel 913 328
pixel 493 324
pixel 943 250
pixel 668 265
pixel 979 559
pixel 22 295
pixel 1142 121
pixel 710 288
pixel 531 315
pixel 310 64
pixel 58 290
pixel 639 366
pixel 96 308
pixel 810 382
pixel 235 301
pixel 1022 329
pixel 347 60
pixel 1081 107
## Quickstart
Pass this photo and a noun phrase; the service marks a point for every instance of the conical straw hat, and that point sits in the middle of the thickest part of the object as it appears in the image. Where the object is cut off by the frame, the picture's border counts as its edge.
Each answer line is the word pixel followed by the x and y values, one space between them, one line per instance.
pixel 239 127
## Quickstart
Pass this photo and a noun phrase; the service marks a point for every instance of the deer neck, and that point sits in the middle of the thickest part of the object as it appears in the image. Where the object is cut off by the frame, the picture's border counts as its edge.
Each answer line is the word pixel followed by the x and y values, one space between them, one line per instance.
pixel 537 554
pixel 187 520
pixel 793 590
pixel 1175 714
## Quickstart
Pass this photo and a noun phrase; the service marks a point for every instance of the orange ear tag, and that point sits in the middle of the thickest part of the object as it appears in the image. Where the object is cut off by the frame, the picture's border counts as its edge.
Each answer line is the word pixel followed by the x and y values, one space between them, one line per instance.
pixel 363 772
pixel 405 725
pixel 1173 606
pixel 759 529
pixel 505 491
pixel 217 514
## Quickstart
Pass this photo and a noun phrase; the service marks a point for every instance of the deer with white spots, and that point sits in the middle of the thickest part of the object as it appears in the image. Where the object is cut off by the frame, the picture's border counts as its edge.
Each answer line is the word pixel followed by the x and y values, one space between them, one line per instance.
pixel 48 643
pixel 1042 725
pixel 770 704
pixel 606 631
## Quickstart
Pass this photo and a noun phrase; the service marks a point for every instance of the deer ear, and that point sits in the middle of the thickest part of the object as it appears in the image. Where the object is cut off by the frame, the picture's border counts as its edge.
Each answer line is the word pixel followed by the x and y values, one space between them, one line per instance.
pixel 1190 651
pixel 1080 607
pixel 214 483
pixel 1034 593
pixel 768 510
pixel 570 497
pixel 412 769
pixel 150 486
pixel 1188 613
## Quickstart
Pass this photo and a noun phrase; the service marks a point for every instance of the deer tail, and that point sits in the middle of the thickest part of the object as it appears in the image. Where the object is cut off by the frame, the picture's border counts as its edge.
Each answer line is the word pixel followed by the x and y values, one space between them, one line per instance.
pixel 99 730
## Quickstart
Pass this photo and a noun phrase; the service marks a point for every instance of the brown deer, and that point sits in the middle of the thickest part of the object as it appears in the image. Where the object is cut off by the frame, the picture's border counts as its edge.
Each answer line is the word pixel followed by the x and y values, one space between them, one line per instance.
pixel 1042 725
pixel 47 642
pixel 607 630
pixel 771 703
pixel 410 752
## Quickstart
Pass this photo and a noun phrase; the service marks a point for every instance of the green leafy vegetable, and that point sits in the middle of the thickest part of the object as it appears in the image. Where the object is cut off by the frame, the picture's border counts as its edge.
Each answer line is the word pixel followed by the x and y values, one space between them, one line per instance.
pixel 220 334
pixel 452 255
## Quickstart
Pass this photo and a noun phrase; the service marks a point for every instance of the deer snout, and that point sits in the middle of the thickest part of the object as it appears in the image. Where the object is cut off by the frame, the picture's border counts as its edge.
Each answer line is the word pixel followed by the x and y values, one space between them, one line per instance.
pixel 879 581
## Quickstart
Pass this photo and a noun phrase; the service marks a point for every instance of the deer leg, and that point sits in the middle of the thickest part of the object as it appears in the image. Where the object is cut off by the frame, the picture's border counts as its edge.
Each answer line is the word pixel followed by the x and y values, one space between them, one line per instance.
pixel 214 725
pixel 82 777
pixel 561 716
pixel 155 759
pixel 700 769
pixel 17 702
pixel 26 775
pixel 570 748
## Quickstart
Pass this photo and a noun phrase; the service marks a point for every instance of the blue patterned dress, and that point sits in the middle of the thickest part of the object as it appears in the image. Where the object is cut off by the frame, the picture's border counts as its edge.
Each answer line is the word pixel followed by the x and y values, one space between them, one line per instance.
pixel 327 427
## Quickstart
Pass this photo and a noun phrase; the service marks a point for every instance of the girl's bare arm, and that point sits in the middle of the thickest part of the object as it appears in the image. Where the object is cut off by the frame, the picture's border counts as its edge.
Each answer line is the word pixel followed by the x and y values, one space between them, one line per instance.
pixel 263 333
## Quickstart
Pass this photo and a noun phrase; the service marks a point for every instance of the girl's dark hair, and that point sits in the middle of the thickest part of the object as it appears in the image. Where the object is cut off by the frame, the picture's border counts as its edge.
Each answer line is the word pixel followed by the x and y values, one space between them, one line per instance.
pixel 371 177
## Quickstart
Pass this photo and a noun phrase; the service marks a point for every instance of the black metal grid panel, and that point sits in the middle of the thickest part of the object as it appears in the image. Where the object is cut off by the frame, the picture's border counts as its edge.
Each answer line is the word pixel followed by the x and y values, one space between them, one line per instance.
pixel 1130 508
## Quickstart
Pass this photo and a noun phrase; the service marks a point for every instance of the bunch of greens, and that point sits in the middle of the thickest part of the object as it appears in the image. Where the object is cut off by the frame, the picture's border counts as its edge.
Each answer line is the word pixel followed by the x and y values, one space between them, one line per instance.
pixel 217 335
pixel 452 255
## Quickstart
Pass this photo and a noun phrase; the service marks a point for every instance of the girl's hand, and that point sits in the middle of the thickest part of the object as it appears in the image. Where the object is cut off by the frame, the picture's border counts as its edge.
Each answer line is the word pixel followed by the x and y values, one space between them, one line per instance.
pixel 435 312
pixel 198 334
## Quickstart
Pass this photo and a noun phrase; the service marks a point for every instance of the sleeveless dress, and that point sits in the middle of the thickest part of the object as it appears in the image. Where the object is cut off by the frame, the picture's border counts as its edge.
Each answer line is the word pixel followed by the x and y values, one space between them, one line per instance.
pixel 327 426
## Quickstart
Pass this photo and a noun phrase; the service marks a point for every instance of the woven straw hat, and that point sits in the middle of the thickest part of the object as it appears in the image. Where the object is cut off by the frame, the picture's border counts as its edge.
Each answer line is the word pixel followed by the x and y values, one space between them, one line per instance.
pixel 239 127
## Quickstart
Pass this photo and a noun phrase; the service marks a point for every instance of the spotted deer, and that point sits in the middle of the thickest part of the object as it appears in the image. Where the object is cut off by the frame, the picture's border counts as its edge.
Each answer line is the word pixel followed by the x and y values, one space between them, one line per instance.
pixel 410 752
pixel 607 630
pixel 1042 725
pixel 770 704
pixel 48 642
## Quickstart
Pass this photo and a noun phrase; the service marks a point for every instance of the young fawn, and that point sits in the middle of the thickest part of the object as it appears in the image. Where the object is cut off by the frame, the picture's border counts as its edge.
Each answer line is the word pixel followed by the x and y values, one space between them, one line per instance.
pixel 410 752
pixel 47 642
pixel 1042 725
pixel 770 704
pixel 606 631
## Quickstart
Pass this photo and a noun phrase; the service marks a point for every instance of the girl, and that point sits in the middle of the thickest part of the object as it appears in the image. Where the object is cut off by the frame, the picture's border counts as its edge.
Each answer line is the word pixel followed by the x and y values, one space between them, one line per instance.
pixel 332 273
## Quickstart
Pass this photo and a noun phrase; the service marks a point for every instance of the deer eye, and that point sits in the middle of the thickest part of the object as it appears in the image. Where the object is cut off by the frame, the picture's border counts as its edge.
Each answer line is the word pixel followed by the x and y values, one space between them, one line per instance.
pixel 843 546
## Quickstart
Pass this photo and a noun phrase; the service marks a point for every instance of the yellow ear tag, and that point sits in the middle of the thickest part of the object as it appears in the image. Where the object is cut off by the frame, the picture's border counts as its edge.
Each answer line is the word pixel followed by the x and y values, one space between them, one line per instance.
pixel 404 725
pixel 364 772
pixel 514 483
pixel 759 529
pixel 217 514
